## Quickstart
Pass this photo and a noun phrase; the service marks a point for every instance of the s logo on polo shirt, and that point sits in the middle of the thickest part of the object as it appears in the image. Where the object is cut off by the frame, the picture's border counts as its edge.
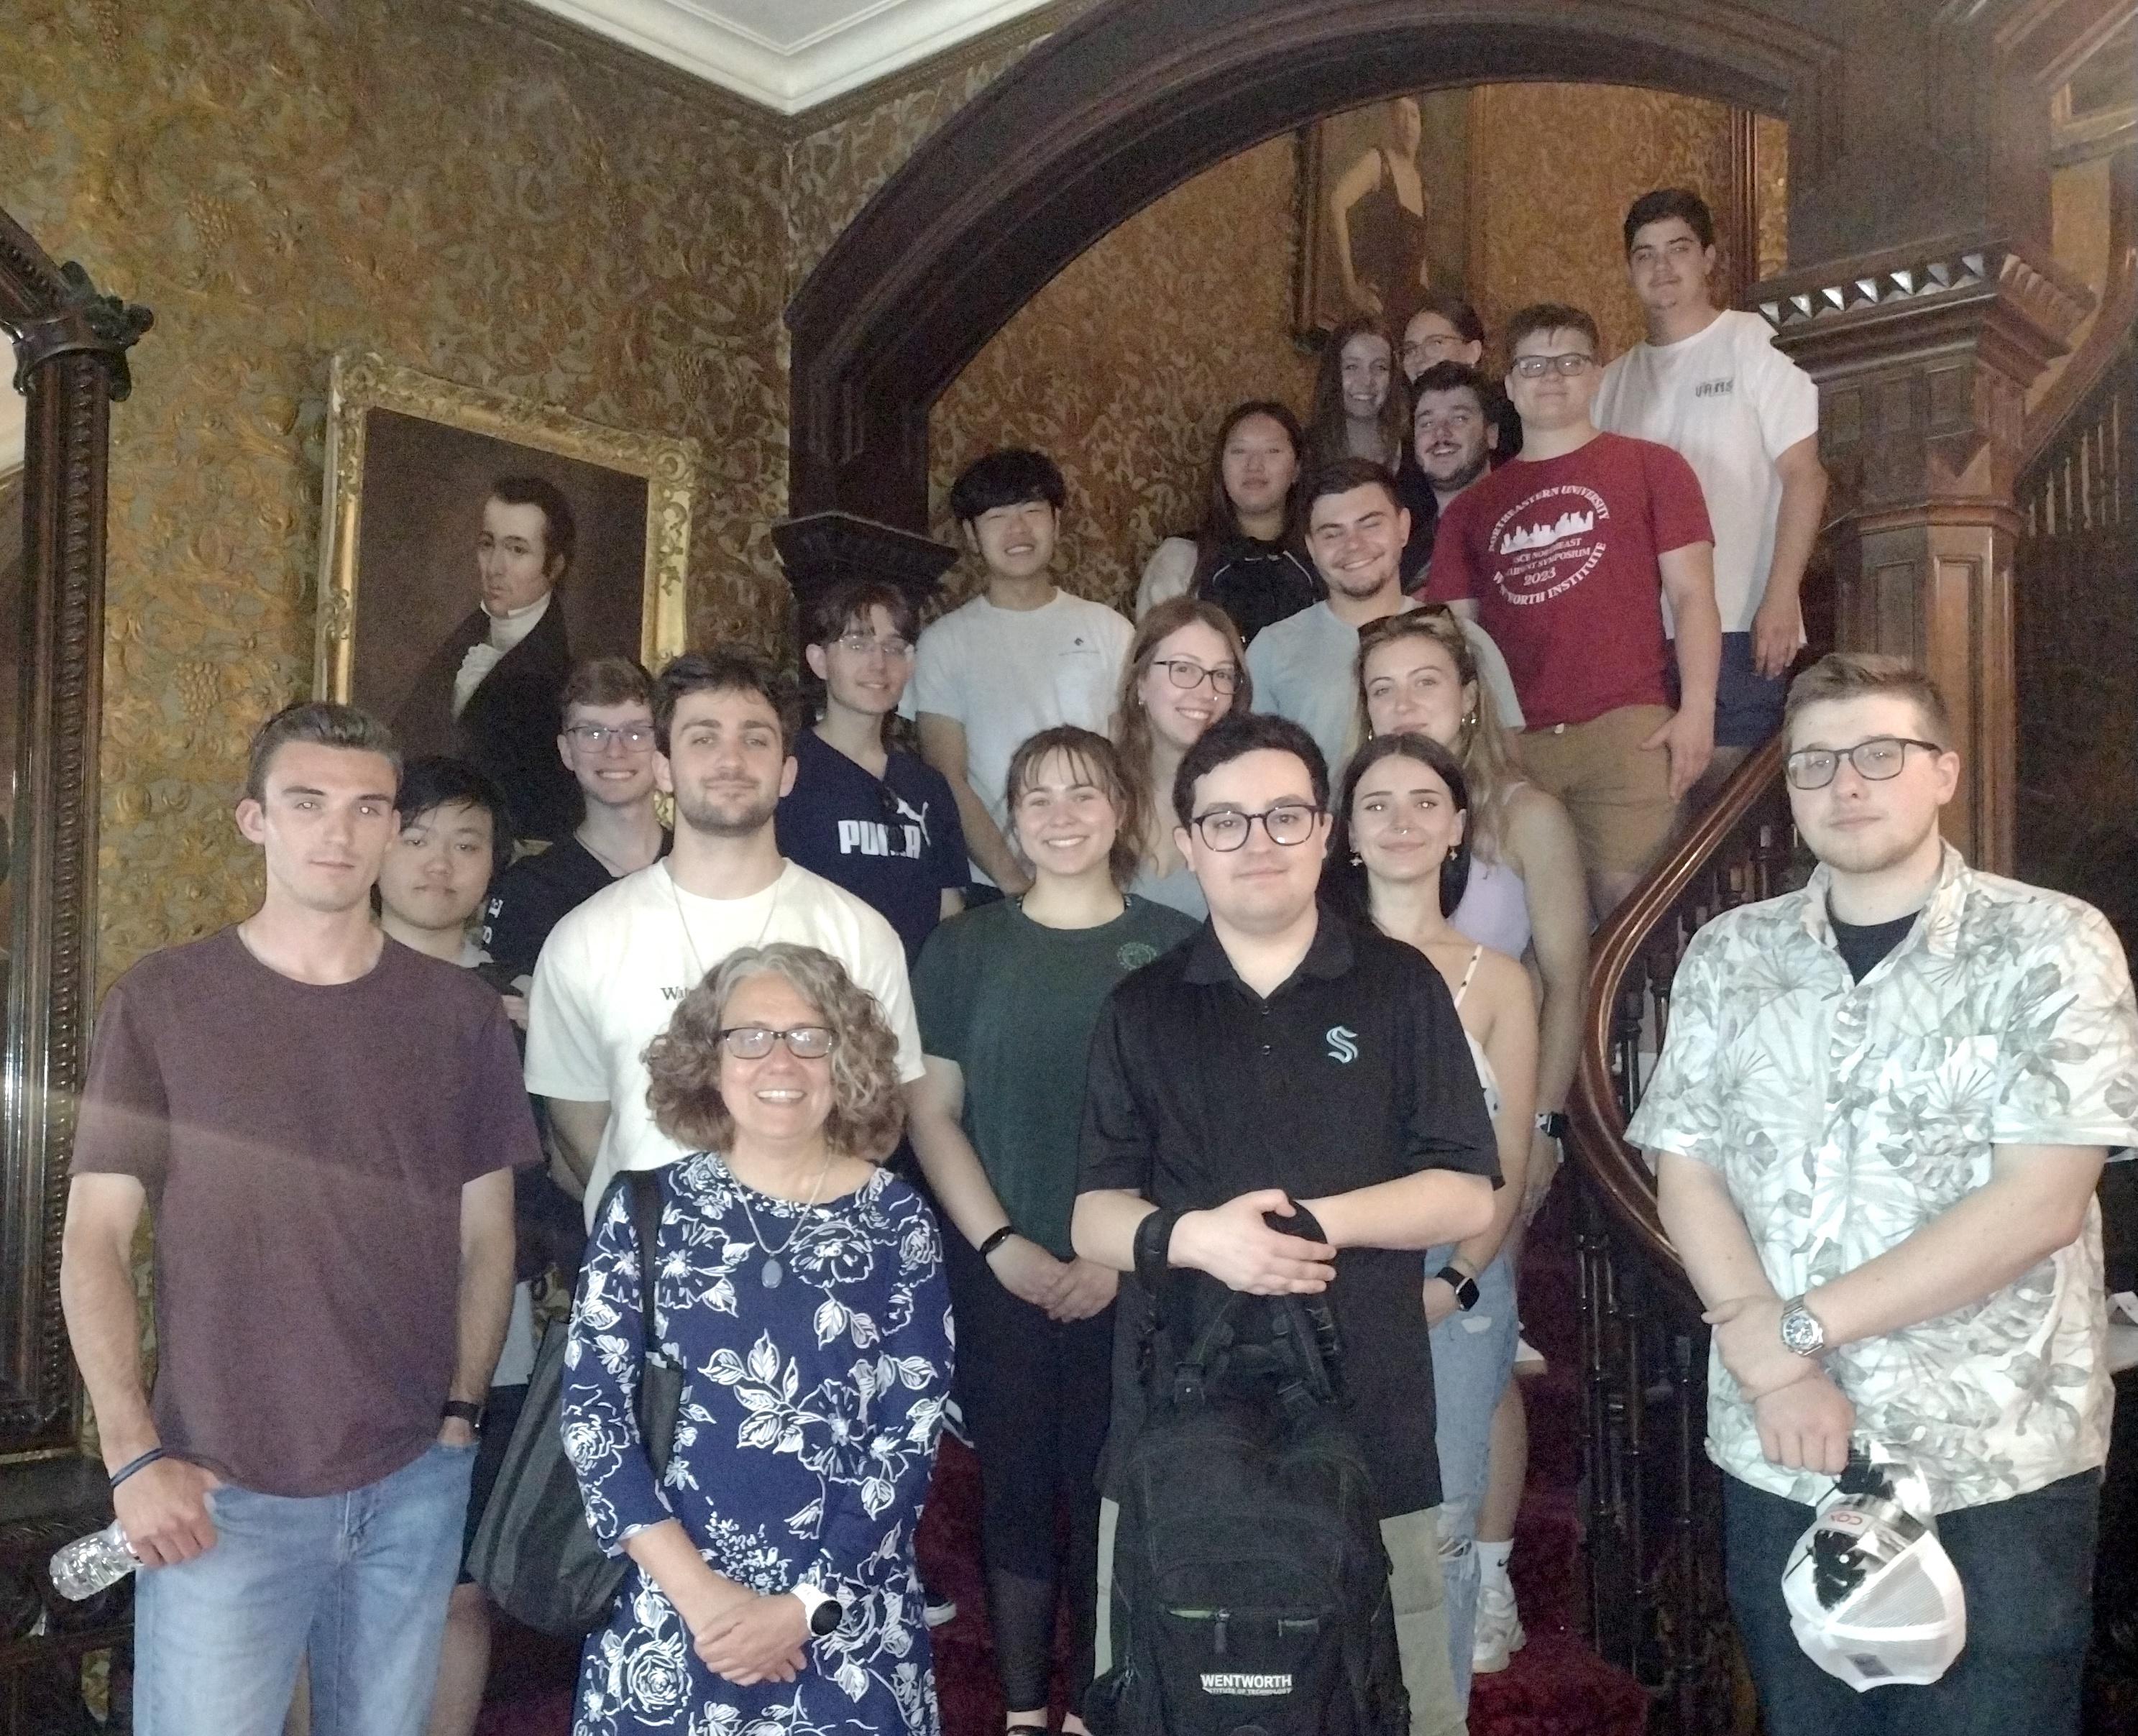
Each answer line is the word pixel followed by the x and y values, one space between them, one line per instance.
pixel 1343 1043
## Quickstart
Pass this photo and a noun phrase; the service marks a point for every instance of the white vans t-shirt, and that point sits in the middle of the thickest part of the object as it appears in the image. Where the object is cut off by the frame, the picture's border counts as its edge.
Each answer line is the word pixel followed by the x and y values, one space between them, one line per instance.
pixel 1731 404
pixel 613 971
pixel 1007 674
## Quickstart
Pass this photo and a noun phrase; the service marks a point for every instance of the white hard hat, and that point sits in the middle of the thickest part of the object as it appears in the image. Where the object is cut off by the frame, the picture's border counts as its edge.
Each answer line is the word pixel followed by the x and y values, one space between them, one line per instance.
pixel 1874 1598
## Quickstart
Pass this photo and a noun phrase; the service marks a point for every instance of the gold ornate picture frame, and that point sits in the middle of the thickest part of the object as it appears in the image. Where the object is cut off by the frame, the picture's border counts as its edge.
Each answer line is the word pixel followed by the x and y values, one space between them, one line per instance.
pixel 412 463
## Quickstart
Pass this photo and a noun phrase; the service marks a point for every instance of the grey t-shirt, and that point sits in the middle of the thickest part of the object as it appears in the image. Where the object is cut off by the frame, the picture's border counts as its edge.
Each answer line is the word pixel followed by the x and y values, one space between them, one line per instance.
pixel 1306 667
pixel 303 1147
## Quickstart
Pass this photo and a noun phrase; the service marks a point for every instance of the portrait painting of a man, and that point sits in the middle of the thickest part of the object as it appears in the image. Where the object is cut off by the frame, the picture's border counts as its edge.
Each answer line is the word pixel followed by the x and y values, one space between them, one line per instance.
pixel 477 550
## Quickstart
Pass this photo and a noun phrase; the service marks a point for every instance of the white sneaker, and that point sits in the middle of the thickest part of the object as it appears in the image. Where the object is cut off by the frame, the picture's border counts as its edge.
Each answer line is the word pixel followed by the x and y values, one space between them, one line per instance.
pixel 1499 1632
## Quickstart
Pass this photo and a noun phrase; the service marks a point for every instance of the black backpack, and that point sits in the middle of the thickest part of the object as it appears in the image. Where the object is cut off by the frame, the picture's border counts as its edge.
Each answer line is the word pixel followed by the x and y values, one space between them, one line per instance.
pixel 1251 1586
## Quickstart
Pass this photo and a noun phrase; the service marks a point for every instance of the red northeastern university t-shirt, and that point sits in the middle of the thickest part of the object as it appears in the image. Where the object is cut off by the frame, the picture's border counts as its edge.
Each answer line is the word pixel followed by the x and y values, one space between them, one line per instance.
pixel 1561 557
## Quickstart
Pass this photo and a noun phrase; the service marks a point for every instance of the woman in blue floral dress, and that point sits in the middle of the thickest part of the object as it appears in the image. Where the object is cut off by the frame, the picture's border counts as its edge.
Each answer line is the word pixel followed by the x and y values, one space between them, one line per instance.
pixel 801 1289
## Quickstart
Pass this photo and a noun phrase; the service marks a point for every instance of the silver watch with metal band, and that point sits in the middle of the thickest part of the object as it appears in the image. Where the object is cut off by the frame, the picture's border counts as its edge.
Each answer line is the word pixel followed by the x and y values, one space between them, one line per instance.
pixel 1801 1331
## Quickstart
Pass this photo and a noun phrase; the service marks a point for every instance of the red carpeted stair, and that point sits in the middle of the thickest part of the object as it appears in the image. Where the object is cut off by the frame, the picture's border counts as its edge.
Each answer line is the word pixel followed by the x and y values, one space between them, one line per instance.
pixel 1554 1686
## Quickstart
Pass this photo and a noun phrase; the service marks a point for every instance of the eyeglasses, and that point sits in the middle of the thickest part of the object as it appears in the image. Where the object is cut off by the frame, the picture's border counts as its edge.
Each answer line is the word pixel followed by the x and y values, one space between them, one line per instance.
pixel 1437 345
pixel 1187 672
pixel 1534 367
pixel 753 1042
pixel 1226 829
pixel 635 738
pixel 1875 759
pixel 861 644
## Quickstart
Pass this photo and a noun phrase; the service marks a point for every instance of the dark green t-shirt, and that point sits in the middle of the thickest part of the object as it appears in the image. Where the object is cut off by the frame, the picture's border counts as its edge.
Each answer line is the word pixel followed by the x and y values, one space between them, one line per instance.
pixel 1014 1004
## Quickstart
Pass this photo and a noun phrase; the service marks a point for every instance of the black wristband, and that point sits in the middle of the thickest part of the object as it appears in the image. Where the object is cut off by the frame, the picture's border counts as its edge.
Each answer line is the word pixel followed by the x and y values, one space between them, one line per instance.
pixel 997 1239
pixel 464 1410
pixel 1154 1242
pixel 142 1463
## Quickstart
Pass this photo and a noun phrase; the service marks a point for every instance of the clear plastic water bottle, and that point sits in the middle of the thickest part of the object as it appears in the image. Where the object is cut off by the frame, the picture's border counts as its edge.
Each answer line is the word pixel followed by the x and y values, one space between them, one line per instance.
pixel 90 1564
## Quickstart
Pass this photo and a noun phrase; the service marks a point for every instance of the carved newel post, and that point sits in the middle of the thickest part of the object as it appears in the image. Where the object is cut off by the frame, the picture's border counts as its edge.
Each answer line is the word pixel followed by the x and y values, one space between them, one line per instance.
pixel 822 549
pixel 1923 358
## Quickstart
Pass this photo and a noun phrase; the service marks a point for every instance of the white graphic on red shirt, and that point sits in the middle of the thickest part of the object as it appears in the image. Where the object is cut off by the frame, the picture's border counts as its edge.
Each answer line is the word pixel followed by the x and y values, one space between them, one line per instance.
pixel 1548 542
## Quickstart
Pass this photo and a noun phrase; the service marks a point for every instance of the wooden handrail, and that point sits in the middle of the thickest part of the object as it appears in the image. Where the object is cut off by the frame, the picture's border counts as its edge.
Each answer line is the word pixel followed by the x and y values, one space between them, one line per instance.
pixel 1597 1130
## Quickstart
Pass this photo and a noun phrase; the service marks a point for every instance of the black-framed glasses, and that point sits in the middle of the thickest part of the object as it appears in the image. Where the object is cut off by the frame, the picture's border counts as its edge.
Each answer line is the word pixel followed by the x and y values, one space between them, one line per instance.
pixel 1876 758
pixel 1226 829
pixel 859 645
pixel 1535 367
pixel 753 1042
pixel 633 737
pixel 1187 672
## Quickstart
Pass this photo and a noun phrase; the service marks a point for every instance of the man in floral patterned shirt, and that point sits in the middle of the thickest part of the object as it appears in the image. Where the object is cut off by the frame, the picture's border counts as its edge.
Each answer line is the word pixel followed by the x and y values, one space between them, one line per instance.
pixel 1877 1122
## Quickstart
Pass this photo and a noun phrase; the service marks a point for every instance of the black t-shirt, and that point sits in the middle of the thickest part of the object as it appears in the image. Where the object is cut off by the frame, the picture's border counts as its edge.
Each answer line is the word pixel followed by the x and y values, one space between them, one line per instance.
pixel 1353 1072
pixel 534 894
pixel 1258 584
pixel 893 841
pixel 1862 945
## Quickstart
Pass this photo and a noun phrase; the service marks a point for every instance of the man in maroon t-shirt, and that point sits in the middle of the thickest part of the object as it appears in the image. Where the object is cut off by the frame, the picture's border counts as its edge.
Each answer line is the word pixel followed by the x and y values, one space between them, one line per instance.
pixel 324 1123
pixel 1565 555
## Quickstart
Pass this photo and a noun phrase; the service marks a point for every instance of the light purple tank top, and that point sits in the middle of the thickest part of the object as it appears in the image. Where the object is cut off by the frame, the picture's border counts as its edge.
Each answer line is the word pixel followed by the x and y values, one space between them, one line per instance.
pixel 1494 910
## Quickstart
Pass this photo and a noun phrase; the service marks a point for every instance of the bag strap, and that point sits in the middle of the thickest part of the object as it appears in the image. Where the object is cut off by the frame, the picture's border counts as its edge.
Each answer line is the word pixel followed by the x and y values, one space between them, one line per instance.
pixel 646 1204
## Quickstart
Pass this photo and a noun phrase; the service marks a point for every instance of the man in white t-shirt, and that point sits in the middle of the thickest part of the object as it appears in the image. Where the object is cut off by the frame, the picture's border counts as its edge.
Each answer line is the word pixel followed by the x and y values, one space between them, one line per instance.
pixel 1306 667
pixel 1709 383
pixel 611 973
pixel 1020 657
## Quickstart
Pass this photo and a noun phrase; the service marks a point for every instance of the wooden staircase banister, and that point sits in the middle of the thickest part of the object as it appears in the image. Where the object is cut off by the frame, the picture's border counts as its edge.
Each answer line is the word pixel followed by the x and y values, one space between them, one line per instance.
pixel 1597 1126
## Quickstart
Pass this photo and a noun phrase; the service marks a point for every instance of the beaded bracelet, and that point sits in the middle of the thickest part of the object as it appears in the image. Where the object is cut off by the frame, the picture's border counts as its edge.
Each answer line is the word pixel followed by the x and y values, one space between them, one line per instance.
pixel 131 1466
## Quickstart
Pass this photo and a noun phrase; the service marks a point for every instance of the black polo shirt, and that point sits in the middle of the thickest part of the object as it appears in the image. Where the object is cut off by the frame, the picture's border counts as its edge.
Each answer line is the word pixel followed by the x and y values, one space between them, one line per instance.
pixel 1354 1071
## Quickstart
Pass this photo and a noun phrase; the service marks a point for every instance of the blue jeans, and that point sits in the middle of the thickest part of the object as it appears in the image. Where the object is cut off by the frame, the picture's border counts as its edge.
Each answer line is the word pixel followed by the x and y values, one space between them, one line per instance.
pixel 359 1582
pixel 1473 1358
pixel 2027 1567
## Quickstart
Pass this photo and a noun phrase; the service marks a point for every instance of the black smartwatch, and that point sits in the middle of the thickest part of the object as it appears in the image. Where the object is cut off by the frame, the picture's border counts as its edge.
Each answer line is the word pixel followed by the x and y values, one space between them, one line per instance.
pixel 1153 1243
pixel 1464 1286
pixel 466 1411
pixel 1552 1123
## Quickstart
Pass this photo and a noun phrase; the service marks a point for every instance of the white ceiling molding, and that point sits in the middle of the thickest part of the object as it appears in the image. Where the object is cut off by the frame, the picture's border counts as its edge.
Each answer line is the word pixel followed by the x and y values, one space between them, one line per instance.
pixel 790 55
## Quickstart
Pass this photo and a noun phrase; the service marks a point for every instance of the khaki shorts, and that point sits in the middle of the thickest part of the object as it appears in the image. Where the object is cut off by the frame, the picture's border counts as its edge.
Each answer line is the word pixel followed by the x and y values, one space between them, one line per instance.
pixel 1617 795
pixel 1416 1586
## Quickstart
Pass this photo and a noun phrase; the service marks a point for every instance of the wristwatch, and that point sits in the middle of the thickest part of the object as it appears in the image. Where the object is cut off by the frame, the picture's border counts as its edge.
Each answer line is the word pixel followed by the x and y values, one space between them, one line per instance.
pixel 1462 1283
pixel 1551 1123
pixel 466 1411
pixel 825 1611
pixel 1801 1331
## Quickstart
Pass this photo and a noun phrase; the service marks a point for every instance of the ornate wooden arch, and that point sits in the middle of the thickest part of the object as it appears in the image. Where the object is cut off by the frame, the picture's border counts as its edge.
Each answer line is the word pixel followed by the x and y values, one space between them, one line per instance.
pixel 1137 96
pixel 71 346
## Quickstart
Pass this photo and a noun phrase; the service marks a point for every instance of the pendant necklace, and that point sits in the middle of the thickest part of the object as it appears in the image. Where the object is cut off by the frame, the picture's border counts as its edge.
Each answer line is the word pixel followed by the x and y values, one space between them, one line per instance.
pixel 691 940
pixel 772 1271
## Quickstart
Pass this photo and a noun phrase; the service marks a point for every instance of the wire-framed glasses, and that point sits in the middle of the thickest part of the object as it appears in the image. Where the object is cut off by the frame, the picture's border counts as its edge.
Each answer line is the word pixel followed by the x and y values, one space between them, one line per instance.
pixel 753 1042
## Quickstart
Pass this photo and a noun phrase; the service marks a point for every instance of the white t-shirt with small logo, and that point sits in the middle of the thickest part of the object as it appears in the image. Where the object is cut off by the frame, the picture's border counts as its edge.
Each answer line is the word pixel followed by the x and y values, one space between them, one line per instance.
pixel 612 972
pixel 1731 404
pixel 1004 675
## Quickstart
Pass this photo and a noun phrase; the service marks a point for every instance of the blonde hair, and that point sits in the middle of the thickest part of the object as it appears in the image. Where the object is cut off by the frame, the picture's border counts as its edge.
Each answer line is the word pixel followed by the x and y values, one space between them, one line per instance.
pixel 683 1063
pixel 1850 674
pixel 1131 723
pixel 1488 756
